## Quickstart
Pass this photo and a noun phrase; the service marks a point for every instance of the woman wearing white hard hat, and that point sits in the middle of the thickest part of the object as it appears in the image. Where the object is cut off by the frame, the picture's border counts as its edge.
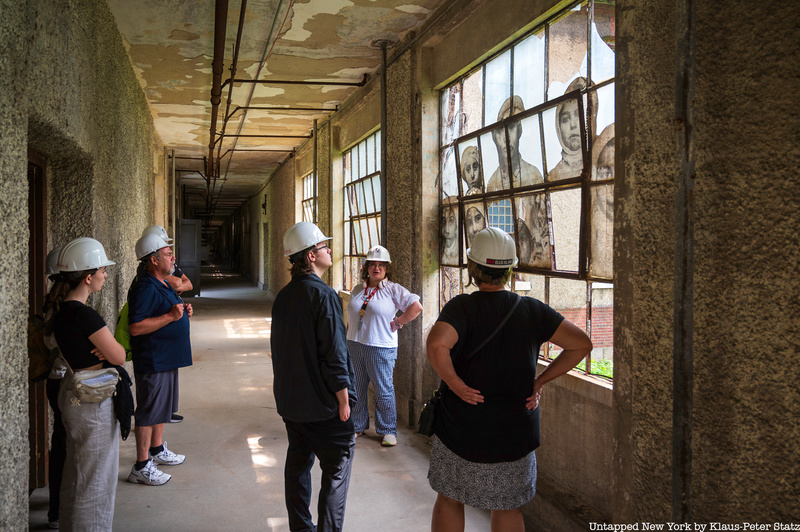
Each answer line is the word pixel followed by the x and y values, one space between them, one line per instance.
pixel 485 347
pixel 372 325
pixel 91 469
pixel 58 438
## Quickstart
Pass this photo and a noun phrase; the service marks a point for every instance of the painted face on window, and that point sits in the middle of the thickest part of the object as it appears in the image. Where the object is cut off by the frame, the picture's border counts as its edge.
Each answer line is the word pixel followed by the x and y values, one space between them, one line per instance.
pixel 569 126
pixel 449 227
pixel 471 168
pixel 476 222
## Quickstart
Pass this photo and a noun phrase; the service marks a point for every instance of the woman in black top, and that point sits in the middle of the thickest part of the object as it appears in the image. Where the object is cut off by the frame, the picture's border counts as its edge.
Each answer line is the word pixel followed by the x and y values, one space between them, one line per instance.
pixel 88 486
pixel 487 422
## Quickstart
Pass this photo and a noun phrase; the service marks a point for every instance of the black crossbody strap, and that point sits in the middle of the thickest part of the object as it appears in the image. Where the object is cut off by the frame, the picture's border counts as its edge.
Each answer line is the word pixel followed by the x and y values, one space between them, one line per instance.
pixel 497 330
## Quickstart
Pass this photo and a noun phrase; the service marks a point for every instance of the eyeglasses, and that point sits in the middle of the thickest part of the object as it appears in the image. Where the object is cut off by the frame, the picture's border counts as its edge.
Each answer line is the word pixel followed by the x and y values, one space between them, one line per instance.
pixel 377 265
pixel 323 246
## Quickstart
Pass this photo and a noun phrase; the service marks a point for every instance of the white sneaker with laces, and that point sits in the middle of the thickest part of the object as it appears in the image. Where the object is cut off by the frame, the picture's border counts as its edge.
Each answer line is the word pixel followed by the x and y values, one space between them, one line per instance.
pixel 167 457
pixel 149 475
pixel 389 440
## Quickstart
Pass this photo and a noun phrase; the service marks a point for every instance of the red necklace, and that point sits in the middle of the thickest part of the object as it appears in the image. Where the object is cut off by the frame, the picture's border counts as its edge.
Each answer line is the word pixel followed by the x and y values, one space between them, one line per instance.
pixel 366 300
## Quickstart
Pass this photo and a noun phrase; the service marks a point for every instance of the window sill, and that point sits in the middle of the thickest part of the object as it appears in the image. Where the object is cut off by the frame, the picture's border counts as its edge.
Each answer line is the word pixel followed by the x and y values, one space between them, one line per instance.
pixel 595 389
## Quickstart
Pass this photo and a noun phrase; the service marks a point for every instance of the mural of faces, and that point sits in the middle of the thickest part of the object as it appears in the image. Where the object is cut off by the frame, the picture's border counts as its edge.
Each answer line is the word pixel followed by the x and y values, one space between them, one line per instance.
pixel 449 235
pixel 475 221
pixel 471 170
pixel 522 172
pixel 534 232
pixel 569 124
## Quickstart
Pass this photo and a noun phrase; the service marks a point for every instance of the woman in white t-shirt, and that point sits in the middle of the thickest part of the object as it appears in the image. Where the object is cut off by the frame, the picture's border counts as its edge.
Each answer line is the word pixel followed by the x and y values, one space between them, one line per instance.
pixel 372 340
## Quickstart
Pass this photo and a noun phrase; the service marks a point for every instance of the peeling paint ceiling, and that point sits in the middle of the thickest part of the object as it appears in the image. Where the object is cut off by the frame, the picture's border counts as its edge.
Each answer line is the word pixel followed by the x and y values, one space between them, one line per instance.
pixel 171 47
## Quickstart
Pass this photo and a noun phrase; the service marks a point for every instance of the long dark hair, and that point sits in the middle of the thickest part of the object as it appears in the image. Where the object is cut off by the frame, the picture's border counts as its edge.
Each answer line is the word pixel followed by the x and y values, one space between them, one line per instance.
pixel 64 284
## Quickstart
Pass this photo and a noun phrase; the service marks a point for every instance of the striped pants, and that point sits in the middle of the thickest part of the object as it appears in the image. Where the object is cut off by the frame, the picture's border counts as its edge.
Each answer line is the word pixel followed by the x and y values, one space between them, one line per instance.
pixel 375 365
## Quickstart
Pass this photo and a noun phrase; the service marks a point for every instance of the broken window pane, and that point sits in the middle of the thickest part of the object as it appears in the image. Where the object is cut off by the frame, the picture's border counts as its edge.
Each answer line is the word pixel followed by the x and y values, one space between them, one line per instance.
pixel 472 102
pixel 603 41
pixel 529 70
pixel 451 113
pixel 566 58
pixel 498 86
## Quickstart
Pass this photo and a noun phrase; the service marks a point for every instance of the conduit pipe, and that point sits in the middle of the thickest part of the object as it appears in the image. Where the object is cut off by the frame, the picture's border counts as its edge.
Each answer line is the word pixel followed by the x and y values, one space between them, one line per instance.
pixel 384 136
pixel 220 28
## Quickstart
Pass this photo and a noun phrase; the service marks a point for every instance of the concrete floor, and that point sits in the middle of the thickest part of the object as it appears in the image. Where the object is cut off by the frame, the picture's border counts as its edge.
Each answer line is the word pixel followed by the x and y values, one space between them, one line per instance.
pixel 235 442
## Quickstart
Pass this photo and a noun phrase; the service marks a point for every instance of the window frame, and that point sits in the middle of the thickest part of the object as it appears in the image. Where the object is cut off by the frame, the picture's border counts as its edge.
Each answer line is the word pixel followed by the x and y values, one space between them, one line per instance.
pixel 451 271
pixel 362 229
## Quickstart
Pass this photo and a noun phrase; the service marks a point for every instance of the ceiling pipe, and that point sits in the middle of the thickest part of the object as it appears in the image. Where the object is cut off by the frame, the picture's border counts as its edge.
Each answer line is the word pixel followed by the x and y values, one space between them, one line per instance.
pixel 278 108
pixel 220 27
pixel 384 141
pixel 300 82
pixel 271 38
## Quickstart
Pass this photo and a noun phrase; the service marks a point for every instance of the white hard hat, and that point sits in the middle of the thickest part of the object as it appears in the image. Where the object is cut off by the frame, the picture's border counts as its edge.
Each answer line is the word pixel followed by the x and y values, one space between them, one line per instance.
pixel 149 244
pixel 493 248
pixel 52 261
pixel 82 254
pixel 379 254
pixel 300 236
pixel 157 230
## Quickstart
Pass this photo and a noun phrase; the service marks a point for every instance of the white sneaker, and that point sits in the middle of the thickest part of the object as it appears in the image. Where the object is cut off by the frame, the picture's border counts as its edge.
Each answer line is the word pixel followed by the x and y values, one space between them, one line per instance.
pixel 149 475
pixel 167 457
pixel 389 440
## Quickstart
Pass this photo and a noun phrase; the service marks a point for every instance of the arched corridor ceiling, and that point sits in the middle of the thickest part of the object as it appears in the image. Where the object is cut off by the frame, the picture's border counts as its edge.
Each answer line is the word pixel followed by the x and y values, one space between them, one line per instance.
pixel 171 47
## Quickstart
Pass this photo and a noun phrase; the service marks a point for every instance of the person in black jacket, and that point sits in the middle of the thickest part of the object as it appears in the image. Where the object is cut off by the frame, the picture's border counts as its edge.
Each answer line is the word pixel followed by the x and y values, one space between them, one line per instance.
pixel 313 382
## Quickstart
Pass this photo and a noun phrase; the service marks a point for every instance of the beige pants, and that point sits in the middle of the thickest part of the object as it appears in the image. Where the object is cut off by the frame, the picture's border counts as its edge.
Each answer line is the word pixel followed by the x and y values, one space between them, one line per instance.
pixel 91 470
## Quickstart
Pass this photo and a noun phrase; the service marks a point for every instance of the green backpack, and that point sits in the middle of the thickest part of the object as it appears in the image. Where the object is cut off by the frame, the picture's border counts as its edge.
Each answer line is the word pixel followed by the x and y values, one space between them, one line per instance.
pixel 122 332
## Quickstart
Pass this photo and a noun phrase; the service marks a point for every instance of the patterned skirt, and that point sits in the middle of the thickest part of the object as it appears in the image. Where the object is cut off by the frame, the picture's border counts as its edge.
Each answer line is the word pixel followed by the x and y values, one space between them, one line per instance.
pixel 498 486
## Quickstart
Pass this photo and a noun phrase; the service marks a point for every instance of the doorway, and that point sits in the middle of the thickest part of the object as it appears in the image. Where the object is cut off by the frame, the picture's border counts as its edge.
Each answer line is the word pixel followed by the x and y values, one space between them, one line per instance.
pixel 37 288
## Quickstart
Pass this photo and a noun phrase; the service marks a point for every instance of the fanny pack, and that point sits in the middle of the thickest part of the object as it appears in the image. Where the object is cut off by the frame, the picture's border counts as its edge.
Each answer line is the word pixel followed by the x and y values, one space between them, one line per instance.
pixel 92 386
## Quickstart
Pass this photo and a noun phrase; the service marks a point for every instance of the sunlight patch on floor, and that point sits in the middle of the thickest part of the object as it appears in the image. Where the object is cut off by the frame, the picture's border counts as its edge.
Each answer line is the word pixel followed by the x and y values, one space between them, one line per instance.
pixel 260 458
pixel 248 327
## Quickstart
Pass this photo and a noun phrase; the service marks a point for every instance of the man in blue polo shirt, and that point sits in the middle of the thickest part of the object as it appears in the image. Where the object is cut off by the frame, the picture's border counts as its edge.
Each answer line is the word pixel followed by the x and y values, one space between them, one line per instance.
pixel 159 326
pixel 181 283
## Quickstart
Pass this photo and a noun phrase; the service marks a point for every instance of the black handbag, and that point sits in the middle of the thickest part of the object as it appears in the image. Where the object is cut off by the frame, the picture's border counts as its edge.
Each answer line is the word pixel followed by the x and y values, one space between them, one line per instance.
pixel 427 418
pixel 428 415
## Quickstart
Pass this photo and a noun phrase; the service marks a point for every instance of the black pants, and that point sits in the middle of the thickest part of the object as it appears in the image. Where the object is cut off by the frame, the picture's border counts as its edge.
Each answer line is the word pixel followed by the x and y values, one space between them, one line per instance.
pixel 333 442
pixel 58 449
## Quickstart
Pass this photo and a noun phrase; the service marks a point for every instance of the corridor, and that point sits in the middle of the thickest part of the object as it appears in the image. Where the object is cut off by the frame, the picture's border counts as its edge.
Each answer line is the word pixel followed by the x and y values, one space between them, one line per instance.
pixel 235 443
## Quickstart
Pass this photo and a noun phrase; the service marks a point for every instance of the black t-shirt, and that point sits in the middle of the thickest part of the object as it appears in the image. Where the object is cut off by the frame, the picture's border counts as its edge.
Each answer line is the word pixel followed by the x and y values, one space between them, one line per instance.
pixel 500 429
pixel 73 325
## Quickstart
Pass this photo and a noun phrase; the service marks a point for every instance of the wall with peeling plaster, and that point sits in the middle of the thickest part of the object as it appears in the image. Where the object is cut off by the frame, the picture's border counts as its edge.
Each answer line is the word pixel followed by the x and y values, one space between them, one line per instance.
pixel 73 98
pixel 607 455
